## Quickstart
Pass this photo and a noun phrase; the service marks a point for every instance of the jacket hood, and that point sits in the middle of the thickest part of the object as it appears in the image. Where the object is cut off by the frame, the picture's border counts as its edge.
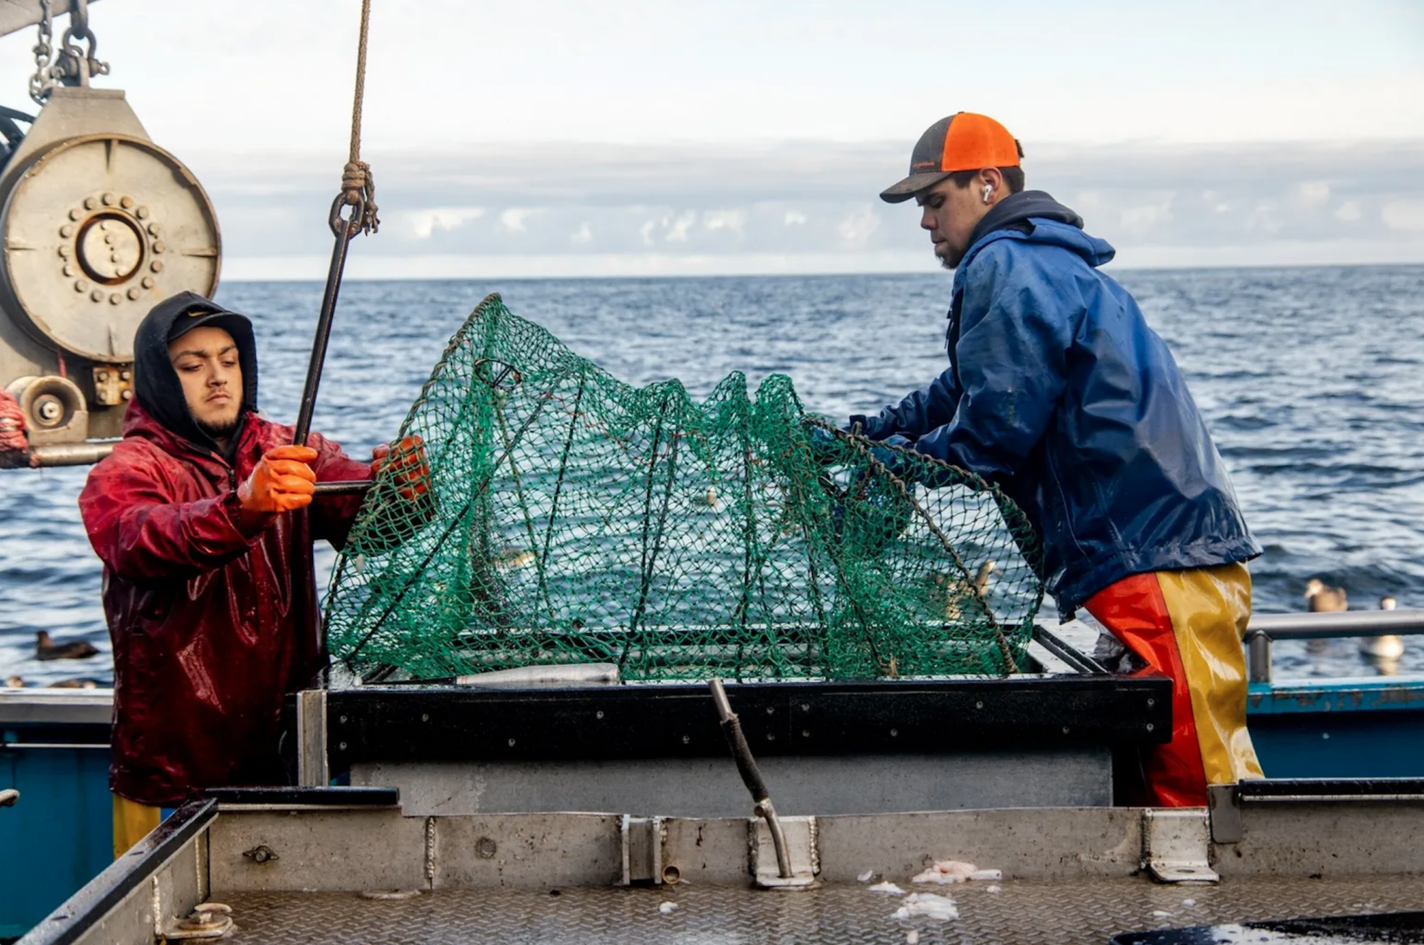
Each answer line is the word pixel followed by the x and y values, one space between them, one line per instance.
pixel 156 385
pixel 1041 219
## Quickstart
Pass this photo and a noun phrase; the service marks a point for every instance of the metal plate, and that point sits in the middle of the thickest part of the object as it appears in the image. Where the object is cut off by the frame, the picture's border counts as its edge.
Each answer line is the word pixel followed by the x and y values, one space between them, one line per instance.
pixel 1023 912
pixel 97 231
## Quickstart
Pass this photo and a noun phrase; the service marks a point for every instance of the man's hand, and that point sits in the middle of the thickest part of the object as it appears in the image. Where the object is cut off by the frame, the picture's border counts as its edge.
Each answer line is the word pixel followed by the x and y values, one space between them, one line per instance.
pixel 896 463
pixel 406 460
pixel 281 482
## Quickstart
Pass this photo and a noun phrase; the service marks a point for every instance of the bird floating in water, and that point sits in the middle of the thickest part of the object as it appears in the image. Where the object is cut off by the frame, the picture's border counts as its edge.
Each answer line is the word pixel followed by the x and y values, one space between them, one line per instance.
pixel 1385 647
pixel 953 591
pixel 710 498
pixel 1323 599
pixel 47 649
pixel 75 684
pixel 14 682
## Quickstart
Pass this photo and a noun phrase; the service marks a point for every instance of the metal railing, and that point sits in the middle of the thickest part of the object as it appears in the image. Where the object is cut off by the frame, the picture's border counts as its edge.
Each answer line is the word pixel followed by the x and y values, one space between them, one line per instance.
pixel 1265 629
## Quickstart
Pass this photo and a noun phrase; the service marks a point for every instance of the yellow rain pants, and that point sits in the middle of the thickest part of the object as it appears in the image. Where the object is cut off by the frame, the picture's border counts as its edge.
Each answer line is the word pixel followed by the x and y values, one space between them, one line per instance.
pixel 132 822
pixel 1189 625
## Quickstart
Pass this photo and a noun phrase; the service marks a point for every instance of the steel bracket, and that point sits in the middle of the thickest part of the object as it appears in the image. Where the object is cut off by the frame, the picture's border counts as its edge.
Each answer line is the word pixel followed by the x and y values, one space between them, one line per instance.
pixel 1177 845
pixel 642 839
pixel 1224 803
pixel 802 850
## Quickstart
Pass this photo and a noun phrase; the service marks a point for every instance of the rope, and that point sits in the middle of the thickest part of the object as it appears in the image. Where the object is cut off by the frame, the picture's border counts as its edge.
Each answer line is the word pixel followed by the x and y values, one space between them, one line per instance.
pixel 358 184
pixel 12 429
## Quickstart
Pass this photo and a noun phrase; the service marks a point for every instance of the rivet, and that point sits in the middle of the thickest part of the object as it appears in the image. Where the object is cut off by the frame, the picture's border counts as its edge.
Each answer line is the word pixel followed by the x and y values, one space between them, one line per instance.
pixel 81 285
pixel 67 230
pixel 805 733
pixel 153 229
pixel 771 736
pixel 1065 730
pixel 97 295
pixel 598 714
pixel 341 746
pixel 485 848
pixel 424 717
pixel 127 395
pixel 979 704
pixel 125 375
pixel 147 282
pixel 68 270
pixel 90 203
pixel 770 710
pixel 158 247
pixel 1151 702
pixel 65 252
pixel 511 743
pixel 1150 726
pixel 687 739
pixel 156 265
pixel 115 298
pixel 805 707
pixel 141 213
pixel 126 202
pixel 101 375
pixel 76 213
pixel 104 225
pixel 133 292
pixel 113 257
pixel 894 732
pixel 108 200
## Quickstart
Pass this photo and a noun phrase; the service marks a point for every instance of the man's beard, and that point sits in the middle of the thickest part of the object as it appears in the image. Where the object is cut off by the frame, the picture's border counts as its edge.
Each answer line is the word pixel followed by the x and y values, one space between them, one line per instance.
pixel 221 430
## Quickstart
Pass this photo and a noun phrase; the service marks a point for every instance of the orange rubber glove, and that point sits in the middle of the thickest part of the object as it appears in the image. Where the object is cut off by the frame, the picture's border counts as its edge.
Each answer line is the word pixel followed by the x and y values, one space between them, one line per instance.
pixel 281 482
pixel 406 459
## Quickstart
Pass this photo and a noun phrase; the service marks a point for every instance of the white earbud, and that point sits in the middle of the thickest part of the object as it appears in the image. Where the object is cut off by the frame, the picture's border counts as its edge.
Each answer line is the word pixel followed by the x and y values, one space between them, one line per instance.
pixel 988 189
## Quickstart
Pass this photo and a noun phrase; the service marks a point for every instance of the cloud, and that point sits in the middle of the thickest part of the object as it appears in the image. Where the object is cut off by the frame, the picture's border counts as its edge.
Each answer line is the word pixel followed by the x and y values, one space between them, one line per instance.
pixel 1313 193
pixel 513 218
pixel 815 201
pixel 732 220
pixel 1403 215
pixel 859 226
pixel 424 223
pixel 678 230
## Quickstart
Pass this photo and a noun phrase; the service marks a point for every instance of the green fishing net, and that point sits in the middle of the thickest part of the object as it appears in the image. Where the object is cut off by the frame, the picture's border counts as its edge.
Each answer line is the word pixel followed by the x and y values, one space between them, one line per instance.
pixel 573 518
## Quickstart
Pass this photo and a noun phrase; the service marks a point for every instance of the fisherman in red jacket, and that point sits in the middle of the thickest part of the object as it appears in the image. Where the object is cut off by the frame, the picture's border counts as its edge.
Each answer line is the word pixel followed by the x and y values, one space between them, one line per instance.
pixel 209 588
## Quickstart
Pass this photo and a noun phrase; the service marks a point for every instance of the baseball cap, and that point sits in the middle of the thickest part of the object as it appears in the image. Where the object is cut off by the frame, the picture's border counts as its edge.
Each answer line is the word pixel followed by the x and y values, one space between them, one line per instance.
pixel 198 317
pixel 962 142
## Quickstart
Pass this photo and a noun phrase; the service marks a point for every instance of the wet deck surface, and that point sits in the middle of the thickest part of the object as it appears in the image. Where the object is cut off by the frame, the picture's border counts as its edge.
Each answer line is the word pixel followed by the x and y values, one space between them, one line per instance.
pixel 1022 912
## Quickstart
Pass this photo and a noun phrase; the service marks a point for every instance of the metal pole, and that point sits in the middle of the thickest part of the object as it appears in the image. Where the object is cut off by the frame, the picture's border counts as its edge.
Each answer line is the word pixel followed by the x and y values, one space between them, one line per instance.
pixel 751 774
pixel 345 230
pixel 1258 657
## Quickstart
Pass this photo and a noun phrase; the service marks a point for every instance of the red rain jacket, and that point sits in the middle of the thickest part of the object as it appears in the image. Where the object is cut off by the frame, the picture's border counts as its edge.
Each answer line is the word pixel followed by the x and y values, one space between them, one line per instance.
pixel 212 611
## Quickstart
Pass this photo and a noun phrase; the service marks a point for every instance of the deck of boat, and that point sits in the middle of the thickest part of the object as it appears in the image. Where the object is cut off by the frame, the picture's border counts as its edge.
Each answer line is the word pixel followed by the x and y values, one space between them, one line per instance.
pixel 1022 911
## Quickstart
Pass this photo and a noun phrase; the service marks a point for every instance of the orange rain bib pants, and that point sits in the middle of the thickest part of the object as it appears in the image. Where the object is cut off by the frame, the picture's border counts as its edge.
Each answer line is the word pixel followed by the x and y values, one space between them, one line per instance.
pixel 1189 625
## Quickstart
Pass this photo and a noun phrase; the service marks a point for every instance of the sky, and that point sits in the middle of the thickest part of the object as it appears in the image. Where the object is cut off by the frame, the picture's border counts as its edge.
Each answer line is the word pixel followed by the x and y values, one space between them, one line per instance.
pixel 643 138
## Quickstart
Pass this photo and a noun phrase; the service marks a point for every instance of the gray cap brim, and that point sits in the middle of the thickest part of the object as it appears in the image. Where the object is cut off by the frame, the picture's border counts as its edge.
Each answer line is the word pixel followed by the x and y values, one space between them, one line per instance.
pixel 912 185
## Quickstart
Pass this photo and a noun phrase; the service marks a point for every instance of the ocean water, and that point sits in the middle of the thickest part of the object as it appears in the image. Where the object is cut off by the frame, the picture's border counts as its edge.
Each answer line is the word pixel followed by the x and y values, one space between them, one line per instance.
pixel 1312 381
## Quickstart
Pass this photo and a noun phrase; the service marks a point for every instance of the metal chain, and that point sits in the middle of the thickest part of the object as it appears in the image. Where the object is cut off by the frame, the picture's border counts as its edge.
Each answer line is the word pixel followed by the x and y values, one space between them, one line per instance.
pixel 867 447
pixel 43 79
pixel 74 66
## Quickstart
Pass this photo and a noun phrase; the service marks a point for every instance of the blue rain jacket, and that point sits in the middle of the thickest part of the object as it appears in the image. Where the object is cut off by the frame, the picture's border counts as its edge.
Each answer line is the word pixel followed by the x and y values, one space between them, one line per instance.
pixel 1059 392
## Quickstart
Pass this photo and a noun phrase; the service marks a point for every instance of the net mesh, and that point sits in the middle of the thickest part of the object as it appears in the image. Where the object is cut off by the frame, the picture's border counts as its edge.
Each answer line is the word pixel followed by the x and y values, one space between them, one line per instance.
pixel 572 518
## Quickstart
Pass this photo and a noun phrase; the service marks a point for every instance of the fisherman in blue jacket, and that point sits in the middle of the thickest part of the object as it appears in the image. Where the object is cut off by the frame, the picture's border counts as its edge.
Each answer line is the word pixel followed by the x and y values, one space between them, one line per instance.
pixel 1058 391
